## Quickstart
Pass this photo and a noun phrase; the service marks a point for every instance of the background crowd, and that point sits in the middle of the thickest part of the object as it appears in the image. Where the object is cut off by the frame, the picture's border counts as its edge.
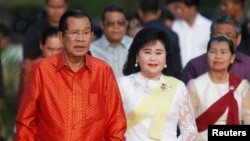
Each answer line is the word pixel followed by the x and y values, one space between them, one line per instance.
pixel 190 24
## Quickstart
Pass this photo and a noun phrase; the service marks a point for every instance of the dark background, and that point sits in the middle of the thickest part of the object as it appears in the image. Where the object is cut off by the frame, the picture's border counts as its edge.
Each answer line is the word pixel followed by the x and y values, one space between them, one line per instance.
pixel 19 14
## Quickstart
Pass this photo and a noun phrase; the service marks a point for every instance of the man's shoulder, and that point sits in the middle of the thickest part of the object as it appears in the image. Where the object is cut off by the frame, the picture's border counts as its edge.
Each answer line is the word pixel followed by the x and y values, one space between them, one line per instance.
pixel 127 38
pixel 46 62
pixel 204 20
pixel 177 23
pixel 201 58
pixel 242 57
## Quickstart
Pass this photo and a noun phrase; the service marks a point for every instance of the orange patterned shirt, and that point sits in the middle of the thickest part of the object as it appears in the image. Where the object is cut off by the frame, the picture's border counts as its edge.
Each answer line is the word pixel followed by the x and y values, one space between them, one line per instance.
pixel 61 105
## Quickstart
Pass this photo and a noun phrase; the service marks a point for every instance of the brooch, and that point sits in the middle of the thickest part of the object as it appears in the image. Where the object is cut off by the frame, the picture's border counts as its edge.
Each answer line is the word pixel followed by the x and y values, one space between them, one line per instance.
pixel 165 86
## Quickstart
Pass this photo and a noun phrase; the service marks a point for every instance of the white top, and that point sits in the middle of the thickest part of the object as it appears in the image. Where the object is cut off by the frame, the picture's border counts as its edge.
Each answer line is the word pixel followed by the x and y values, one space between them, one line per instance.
pixel 193 39
pixel 135 87
pixel 114 56
pixel 208 92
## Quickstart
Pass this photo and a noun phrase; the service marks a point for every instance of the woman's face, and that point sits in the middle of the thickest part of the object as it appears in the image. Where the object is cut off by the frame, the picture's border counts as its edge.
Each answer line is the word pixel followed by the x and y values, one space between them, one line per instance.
pixel 52 46
pixel 152 59
pixel 219 56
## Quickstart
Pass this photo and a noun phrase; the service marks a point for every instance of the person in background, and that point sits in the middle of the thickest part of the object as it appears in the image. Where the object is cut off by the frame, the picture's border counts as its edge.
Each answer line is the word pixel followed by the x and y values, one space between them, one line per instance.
pixel 71 95
pixel 244 46
pixel 222 25
pixel 113 45
pixel 219 97
pixel 133 31
pixel 1 88
pixel 54 10
pixel 1 83
pixel 134 25
pixel 49 45
pixel 167 17
pixel 4 34
pixel 171 5
pixel 192 29
pixel 10 65
pixel 235 9
pixel 154 101
pixel 149 12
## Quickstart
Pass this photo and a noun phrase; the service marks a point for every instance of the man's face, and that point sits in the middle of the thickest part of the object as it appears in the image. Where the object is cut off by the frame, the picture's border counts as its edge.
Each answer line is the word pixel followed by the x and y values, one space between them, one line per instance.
pixel 227 30
pixel 172 7
pixel 183 11
pixel 227 7
pixel 55 9
pixel 77 38
pixel 114 26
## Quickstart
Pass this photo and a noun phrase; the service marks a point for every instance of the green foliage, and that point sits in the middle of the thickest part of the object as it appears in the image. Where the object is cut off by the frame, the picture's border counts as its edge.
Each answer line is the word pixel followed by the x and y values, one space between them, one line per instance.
pixel 19 3
pixel 7 116
pixel 11 69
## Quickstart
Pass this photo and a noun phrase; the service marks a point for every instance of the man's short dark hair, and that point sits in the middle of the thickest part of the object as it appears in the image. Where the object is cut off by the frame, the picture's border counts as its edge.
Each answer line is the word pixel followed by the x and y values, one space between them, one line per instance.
pixel 149 5
pixel 170 1
pixel 242 2
pixel 225 20
pixel 112 8
pixel 191 2
pixel 166 15
pixel 63 25
pixel 46 1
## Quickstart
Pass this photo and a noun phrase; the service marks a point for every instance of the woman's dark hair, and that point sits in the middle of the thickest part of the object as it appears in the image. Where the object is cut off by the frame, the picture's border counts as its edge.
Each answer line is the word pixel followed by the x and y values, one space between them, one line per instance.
pixel 221 38
pixel 63 25
pixel 49 32
pixel 142 38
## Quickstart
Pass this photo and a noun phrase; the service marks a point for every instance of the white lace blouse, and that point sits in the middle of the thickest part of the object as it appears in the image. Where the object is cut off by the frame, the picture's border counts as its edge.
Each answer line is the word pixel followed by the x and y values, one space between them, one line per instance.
pixel 204 93
pixel 135 87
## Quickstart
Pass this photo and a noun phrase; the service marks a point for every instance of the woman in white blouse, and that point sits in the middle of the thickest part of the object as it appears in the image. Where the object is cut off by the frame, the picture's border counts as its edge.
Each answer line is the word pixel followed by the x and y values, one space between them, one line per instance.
pixel 219 97
pixel 154 101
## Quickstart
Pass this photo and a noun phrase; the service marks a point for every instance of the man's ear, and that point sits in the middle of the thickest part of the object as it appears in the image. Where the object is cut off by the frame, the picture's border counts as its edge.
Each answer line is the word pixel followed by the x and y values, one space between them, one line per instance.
pixel 101 24
pixel 233 58
pixel 239 37
pixel 60 36
pixel 158 12
pixel 40 45
pixel 140 14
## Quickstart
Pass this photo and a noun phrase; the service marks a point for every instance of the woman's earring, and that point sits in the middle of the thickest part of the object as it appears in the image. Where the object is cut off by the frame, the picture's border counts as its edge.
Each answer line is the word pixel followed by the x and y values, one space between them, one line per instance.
pixel 136 63
pixel 165 66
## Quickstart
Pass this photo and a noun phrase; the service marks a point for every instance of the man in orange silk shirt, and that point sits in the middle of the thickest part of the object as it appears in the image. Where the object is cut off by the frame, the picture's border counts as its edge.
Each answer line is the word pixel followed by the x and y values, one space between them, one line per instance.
pixel 71 96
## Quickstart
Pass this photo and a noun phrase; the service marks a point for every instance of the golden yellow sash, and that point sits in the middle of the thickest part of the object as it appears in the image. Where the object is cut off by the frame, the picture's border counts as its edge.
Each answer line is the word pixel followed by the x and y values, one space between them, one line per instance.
pixel 158 102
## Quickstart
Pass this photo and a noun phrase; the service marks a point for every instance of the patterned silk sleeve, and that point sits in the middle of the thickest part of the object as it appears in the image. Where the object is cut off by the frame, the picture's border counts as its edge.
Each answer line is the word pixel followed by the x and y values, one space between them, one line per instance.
pixel 187 123
pixel 116 125
pixel 26 121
